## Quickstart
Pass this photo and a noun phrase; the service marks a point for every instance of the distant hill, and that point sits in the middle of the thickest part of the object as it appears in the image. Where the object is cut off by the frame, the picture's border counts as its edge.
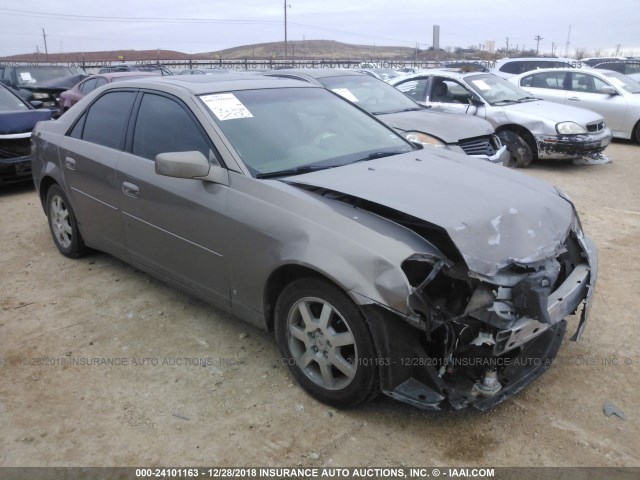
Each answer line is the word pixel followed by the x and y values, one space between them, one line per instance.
pixel 106 56
pixel 313 49
pixel 297 49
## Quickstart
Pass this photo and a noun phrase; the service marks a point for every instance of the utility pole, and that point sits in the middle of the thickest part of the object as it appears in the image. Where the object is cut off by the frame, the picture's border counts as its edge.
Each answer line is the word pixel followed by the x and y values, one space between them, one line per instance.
pixel 617 49
pixel 285 28
pixel 507 45
pixel 46 51
pixel 537 38
pixel 566 47
pixel 553 49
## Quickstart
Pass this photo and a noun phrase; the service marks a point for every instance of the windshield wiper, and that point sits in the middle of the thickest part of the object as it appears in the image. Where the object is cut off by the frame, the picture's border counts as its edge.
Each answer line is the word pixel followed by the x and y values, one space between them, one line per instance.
pixel 411 109
pixel 504 102
pixel 374 155
pixel 293 171
pixel 529 97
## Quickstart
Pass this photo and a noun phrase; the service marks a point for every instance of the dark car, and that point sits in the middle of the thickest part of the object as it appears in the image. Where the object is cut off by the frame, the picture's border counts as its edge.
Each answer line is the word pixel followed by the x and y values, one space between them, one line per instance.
pixel 459 133
pixel 70 97
pixel 17 118
pixel 130 67
pixel 626 67
pixel 439 279
pixel 44 83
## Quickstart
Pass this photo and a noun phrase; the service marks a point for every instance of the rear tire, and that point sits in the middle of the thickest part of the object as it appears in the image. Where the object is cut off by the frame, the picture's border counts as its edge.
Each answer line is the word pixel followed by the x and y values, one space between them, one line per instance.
pixel 63 225
pixel 520 150
pixel 324 339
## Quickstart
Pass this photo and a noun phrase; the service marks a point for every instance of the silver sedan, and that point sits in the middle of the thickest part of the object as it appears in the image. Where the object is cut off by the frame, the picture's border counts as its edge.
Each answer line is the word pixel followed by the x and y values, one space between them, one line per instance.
pixel 531 128
pixel 611 94
pixel 439 279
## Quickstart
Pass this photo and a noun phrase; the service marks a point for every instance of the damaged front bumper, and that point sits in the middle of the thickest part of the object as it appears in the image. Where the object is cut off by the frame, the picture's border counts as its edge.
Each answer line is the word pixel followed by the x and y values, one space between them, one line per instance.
pixel 560 147
pixel 504 337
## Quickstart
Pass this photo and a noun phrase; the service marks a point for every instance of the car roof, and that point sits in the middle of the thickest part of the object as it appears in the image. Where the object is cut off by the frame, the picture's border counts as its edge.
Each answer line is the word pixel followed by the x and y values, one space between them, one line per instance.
pixel 593 71
pixel 110 75
pixel 316 72
pixel 203 84
pixel 436 71
pixel 535 59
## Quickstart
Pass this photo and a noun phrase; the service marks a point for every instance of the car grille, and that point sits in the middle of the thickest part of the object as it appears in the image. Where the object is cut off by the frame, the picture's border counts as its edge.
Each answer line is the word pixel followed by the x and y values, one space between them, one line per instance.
pixel 595 126
pixel 479 146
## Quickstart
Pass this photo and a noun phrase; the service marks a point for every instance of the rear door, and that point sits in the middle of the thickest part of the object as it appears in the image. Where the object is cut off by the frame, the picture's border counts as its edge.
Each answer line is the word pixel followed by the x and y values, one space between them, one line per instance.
pixel 88 157
pixel 551 86
pixel 173 226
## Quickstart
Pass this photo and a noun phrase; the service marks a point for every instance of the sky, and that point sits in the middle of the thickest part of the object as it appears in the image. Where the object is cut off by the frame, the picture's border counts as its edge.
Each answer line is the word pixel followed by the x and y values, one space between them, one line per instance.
pixel 196 26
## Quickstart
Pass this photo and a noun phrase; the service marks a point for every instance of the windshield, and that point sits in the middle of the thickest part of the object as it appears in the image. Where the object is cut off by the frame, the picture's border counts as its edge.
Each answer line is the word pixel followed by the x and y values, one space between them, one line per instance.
pixel 619 80
pixel 497 91
pixel 31 75
pixel 285 129
pixel 10 102
pixel 373 95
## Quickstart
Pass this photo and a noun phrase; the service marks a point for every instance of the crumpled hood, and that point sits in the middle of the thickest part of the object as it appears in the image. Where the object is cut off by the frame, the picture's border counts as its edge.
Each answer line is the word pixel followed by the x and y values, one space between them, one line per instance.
pixel 553 112
pixel 450 128
pixel 62 83
pixel 495 216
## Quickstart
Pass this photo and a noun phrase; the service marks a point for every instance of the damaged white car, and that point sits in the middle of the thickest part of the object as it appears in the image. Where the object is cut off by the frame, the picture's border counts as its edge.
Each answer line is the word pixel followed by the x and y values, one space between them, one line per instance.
pixel 531 128
pixel 439 279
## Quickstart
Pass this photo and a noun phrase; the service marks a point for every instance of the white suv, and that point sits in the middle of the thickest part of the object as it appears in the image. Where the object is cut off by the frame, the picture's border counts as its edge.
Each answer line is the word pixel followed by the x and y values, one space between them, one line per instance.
pixel 508 67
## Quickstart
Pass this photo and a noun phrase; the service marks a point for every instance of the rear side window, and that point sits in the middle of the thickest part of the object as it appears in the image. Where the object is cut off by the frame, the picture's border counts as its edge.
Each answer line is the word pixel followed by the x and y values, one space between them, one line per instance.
pixel 415 89
pixel 88 86
pixel 107 119
pixel 163 125
pixel 554 80
pixel 101 81
pixel 513 67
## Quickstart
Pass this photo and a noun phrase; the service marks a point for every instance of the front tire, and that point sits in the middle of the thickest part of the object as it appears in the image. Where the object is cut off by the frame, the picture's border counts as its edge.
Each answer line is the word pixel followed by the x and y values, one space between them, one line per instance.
pixel 518 147
pixel 326 343
pixel 63 225
pixel 636 132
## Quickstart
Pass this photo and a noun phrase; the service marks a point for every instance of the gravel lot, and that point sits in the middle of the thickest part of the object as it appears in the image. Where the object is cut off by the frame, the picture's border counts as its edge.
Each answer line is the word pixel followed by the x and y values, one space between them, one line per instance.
pixel 157 405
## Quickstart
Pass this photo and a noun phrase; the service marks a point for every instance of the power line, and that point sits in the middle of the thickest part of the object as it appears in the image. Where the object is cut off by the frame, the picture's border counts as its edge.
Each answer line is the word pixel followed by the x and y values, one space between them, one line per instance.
pixel 103 18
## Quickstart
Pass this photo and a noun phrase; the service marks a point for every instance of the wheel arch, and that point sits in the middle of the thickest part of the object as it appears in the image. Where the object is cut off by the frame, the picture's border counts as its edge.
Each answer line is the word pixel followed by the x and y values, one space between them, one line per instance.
pixel 523 132
pixel 280 278
pixel 45 184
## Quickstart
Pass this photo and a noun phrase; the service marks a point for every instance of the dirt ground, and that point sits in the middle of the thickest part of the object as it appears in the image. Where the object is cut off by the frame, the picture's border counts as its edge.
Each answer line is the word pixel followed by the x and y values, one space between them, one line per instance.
pixel 189 385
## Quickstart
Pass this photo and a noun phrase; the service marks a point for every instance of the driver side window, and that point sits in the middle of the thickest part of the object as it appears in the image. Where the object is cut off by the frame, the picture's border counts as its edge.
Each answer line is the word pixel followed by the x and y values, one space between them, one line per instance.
pixel 446 90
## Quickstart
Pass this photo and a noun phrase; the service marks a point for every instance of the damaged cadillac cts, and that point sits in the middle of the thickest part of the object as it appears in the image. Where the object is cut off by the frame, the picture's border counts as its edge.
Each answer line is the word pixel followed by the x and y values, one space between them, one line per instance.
pixel 442 280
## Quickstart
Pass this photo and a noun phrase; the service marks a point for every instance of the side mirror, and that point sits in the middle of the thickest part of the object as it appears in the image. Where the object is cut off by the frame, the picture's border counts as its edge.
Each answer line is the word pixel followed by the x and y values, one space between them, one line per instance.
pixel 476 102
pixel 609 90
pixel 190 165
pixel 36 103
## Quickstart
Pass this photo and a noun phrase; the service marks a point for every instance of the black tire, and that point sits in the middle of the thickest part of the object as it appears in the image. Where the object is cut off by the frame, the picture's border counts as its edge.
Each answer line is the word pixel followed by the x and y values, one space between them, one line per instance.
pixel 520 150
pixel 636 133
pixel 63 225
pixel 309 352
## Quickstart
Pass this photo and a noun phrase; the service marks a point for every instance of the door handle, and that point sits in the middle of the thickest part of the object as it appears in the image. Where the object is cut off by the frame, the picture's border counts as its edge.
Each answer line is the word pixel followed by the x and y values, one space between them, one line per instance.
pixel 130 189
pixel 70 163
pixel 574 98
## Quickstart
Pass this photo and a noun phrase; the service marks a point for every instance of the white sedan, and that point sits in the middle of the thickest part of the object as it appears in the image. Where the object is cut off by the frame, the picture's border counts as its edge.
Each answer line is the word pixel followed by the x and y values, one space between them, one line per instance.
pixel 613 95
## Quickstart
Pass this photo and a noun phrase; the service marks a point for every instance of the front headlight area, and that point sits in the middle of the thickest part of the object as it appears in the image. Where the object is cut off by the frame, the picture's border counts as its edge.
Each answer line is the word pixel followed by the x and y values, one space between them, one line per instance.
pixel 424 139
pixel 570 128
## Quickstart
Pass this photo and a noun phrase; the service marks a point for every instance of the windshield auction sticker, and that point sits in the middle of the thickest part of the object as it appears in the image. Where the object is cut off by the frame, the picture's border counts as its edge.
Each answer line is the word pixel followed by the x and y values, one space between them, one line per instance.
pixel 346 93
pixel 225 106
pixel 481 84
